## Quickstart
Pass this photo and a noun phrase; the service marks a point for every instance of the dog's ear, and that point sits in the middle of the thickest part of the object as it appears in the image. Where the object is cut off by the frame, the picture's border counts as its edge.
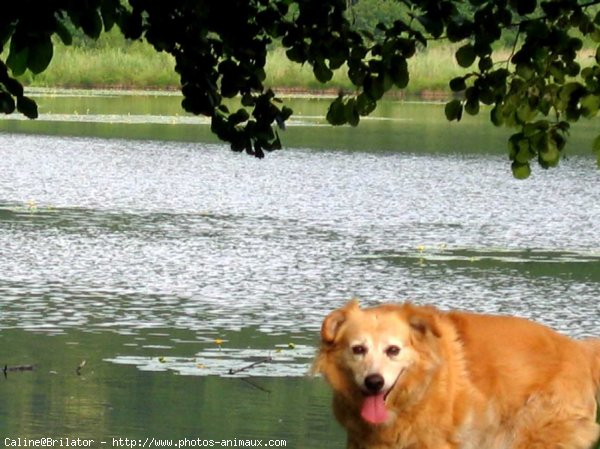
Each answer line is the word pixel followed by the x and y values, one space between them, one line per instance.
pixel 424 320
pixel 333 321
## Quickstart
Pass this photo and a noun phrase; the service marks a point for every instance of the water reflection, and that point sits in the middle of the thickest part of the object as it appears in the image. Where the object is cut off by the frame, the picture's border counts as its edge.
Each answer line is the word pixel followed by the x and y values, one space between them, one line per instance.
pixel 107 401
pixel 393 126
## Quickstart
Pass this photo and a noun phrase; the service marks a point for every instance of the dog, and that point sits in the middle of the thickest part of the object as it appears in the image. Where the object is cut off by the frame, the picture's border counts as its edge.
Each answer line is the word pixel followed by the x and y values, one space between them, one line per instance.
pixel 415 377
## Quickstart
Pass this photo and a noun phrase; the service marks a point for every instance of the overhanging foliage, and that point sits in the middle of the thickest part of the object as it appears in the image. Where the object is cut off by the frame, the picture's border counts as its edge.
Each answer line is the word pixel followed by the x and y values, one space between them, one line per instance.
pixel 220 49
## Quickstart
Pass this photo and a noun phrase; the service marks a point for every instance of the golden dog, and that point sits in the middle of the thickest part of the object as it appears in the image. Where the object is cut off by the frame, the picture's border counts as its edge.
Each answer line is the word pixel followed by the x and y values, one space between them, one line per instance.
pixel 414 377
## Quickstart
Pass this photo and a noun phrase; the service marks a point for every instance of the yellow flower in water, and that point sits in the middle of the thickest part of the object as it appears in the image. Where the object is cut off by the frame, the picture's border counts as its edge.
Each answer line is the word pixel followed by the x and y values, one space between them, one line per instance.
pixel 32 205
pixel 421 248
pixel 219 341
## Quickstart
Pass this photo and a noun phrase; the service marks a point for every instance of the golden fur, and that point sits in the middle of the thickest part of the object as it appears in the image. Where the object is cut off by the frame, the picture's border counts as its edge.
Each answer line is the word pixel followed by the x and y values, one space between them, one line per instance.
pixel 454 380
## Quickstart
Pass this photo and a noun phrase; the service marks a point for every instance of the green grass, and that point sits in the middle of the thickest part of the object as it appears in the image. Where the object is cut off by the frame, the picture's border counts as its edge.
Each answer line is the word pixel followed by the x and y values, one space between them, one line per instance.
pixel 282 73
pixel 433 68
pixel 138 66
pixel 135 66
pixel 113 62
pixel 430 71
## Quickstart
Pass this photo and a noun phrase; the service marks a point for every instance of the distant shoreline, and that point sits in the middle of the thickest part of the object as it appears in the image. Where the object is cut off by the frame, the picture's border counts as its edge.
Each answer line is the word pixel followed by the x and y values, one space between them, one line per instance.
pixel 282 92
pixel 138 66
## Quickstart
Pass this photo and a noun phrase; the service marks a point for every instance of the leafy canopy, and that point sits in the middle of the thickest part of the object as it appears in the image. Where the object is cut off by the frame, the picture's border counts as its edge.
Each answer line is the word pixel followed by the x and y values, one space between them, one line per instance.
pixel 220 49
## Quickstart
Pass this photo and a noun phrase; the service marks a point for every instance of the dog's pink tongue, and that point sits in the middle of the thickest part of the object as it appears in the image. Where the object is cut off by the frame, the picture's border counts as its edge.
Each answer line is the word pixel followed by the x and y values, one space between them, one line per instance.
pixel 373 409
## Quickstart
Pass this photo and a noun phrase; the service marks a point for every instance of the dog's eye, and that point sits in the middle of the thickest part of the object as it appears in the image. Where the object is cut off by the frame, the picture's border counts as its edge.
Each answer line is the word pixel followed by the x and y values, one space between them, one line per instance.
pixel 359 349
pixel 392 351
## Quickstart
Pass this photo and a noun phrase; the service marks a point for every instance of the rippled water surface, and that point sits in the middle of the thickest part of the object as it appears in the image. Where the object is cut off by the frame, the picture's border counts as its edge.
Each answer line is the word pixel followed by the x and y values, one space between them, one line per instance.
pixel 126 235
pixel 150 256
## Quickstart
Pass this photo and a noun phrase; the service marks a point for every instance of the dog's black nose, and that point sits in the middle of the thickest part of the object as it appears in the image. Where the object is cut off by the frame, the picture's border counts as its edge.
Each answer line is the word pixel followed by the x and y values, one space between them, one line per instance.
pixel 374 382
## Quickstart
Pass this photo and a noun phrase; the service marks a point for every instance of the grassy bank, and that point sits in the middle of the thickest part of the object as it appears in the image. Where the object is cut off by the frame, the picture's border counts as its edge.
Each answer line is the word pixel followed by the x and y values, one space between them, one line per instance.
pixel 430 70
pixel 135 66
pixel 139 66
pixel 112 62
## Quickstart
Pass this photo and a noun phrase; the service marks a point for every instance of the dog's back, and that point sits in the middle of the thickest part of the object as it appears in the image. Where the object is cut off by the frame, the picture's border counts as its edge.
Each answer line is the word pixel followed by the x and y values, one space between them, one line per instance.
pixel 592 347
pixel 539 386
pixel 516 361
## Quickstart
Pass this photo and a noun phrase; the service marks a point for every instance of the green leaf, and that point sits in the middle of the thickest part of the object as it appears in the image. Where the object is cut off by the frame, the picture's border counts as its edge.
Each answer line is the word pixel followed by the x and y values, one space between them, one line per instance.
pixel 525 70
pixel 453 110
pixel 457 31
pixel 524 154
pixel 321 71
pixel 296 54
pixel 13 87
pixel 352 116
pixel 408 47
pixel 40 55
pixel 521 171
pixel 557 70
pixel 540 59
pixel 525 113
pixel 457 84
pixel 589 105
pixel 357 74
pixel 465 55
pixel 286 112
pixel 17 59
pixel 485 63
pixel 364 104
pixel 64 33
pixel 248 100
pixel 374 87
pixel 399 72
pixel 109 14
pixel 336 114
pixel 472 107
pixel 7 103
pixel 496 116
pixel 573 68
pixel 575 43
pixel 388 82
pixel 571 92
pixel 27 107
pixel 519 148
pixel 432 24
pixel 91 23
pixel 240 116
pixel 549 155
pixel 513 145
pixel 596 145
pixel 596 149
pixel 525 6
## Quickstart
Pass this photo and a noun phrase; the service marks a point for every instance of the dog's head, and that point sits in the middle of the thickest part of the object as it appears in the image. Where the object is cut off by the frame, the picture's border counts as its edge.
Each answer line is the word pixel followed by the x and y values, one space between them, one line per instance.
pixel 380 357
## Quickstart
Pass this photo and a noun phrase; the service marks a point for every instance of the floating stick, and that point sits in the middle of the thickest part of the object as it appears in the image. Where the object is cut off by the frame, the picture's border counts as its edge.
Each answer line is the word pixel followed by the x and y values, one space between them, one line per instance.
pixel 7 368
pixel 252 365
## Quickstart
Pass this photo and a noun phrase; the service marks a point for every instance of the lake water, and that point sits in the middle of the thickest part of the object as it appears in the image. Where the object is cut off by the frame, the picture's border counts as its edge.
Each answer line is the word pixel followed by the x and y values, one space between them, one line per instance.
pixel 165 287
